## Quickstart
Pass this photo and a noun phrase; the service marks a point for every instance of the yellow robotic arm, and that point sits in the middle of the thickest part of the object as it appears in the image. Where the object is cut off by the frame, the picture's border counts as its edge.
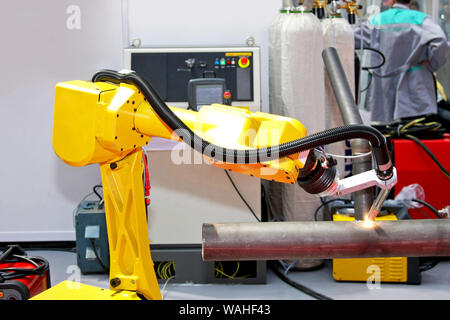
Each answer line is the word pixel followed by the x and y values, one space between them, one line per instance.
pixel 105 123
pixel 102 123
pixel 109 119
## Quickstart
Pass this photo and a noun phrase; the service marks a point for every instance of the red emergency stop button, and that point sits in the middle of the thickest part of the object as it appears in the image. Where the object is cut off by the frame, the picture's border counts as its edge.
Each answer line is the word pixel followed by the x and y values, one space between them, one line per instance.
pixel 244 62
pixel 227 94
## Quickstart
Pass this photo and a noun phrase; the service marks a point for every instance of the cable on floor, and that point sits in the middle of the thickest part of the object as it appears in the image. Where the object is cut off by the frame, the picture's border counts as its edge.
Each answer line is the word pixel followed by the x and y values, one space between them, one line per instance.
pixel 278 270
pixel 281 271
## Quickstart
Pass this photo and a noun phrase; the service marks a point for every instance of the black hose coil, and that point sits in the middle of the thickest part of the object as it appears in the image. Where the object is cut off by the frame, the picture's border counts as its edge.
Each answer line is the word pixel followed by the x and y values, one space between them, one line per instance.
pixel 376 138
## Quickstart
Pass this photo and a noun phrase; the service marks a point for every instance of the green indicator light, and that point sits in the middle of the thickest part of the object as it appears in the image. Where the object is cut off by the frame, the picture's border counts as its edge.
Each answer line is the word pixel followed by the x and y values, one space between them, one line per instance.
pixel 222 62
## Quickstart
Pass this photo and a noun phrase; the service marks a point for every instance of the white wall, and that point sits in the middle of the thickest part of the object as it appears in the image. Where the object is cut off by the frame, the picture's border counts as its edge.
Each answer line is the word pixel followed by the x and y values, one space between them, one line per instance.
pixel 38 192
pixel 204 23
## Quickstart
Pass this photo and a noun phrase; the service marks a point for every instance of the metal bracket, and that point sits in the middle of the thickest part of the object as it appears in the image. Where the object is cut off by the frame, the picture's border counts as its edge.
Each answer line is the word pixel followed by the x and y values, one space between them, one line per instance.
pixel 360 181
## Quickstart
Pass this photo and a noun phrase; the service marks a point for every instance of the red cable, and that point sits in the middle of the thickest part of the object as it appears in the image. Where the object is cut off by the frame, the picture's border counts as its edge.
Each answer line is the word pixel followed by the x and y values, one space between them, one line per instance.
pixel 147 179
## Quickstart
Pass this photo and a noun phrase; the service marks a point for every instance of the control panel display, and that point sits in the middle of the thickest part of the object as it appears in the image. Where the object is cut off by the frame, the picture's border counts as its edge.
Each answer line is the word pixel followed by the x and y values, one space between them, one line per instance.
pixel 170 73
pixel 209 94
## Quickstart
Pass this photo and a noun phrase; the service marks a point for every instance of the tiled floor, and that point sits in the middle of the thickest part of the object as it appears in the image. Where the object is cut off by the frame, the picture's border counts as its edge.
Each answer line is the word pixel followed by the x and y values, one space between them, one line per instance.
pixel 435 284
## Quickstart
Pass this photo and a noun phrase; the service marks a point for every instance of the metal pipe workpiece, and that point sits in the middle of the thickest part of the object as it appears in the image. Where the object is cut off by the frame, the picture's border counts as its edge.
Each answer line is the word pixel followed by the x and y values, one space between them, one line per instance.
pixel 325 240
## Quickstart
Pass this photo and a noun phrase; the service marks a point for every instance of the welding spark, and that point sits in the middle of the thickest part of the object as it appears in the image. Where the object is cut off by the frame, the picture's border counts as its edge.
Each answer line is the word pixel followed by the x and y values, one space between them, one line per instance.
pixel 367 223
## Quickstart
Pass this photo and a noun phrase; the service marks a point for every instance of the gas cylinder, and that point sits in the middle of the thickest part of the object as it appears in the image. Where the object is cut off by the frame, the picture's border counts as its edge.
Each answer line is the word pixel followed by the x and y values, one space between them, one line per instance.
pixel 297 90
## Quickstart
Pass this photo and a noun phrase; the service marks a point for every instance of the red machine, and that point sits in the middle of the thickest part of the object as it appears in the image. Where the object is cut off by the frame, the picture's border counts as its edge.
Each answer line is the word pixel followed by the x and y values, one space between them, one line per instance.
pixel 22 276
pixel 414 165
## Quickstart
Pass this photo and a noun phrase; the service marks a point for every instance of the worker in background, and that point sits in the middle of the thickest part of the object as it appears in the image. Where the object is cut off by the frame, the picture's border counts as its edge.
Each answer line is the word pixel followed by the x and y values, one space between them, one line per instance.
pixel 414 5
pixel 414 47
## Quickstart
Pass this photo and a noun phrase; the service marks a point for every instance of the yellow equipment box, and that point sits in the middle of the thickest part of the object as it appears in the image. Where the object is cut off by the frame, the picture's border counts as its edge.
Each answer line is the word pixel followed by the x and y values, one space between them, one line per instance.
pixel 388 270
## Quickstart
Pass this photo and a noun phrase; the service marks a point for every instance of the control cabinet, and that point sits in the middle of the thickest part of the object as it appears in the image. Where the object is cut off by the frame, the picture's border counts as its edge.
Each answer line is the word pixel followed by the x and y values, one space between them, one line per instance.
pixel 170 69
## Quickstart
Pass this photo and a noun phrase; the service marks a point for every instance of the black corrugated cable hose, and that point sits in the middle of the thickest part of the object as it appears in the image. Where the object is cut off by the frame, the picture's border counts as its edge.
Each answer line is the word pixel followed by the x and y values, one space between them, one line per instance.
pixel 377 140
